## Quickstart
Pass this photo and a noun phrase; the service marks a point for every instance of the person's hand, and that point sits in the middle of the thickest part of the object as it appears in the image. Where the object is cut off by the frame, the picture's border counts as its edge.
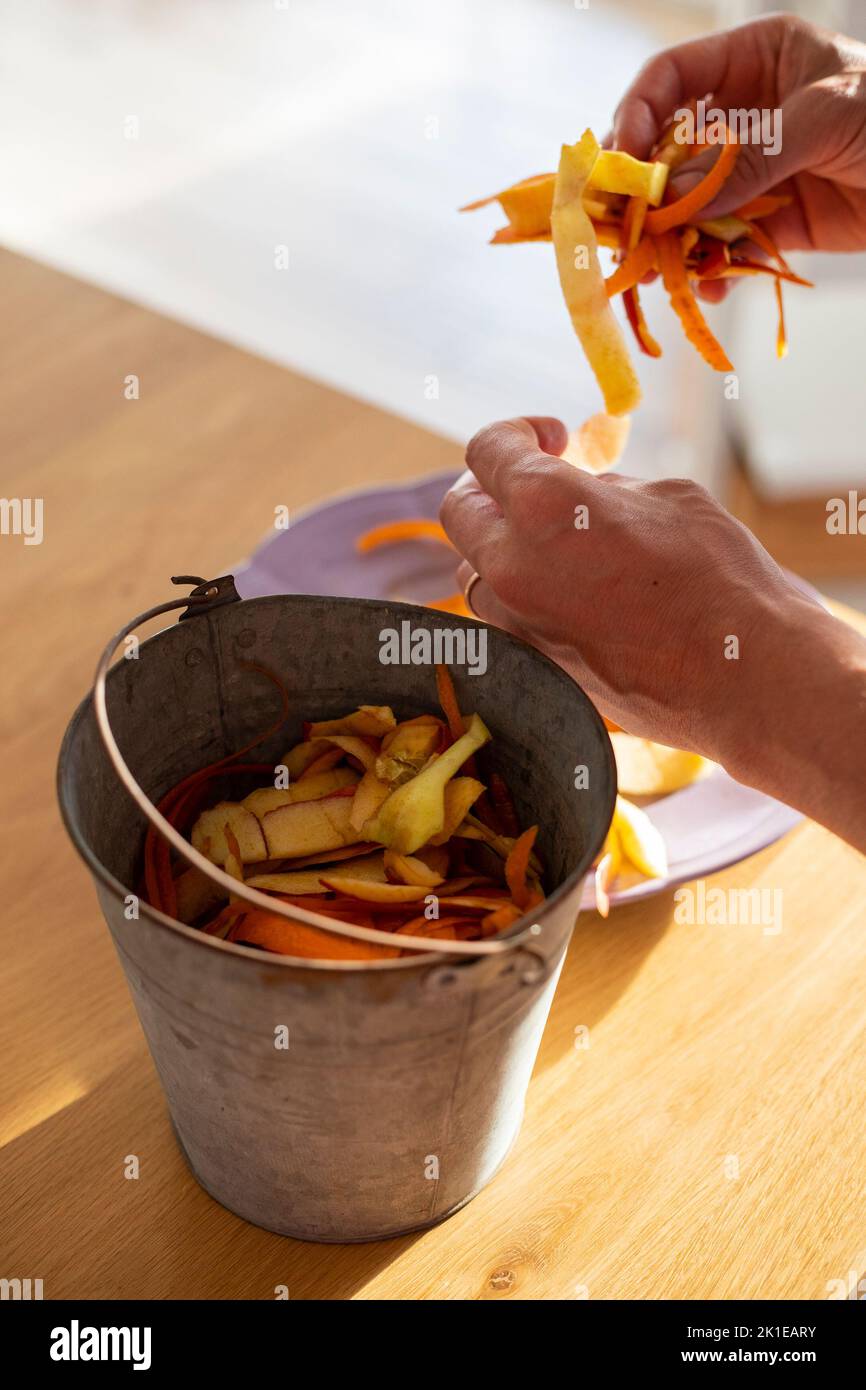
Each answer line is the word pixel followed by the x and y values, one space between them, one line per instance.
pixel 634 587
pixel 818 81
pixel 663 607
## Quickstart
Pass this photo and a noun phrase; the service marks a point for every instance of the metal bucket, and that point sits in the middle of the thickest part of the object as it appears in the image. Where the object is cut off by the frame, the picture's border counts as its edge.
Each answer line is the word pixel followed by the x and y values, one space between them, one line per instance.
pixel 403 1083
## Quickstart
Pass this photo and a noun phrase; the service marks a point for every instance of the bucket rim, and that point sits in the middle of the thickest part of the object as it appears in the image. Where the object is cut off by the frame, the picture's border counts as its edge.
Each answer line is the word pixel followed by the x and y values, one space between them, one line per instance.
pixel 570 885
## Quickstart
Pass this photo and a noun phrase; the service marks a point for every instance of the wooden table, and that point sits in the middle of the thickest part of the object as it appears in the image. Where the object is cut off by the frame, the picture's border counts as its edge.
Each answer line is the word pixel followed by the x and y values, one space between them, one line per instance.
pixel 710 1140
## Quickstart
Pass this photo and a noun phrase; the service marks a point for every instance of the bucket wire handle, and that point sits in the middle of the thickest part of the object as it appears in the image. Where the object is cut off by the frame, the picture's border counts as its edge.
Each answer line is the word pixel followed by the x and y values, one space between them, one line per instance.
pixel 206 596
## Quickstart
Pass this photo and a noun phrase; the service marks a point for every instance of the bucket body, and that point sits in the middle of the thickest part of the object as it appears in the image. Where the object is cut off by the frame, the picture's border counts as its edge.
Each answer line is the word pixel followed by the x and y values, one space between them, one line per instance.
pixel 334 1101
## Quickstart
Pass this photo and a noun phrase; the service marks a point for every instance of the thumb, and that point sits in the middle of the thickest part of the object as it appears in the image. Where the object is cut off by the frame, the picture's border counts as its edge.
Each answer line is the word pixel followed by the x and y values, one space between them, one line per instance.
pixel 551 434
pixel 795 145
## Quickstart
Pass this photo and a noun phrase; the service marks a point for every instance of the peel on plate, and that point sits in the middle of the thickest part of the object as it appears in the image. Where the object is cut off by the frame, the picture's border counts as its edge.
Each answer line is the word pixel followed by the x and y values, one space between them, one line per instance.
pixel 645 768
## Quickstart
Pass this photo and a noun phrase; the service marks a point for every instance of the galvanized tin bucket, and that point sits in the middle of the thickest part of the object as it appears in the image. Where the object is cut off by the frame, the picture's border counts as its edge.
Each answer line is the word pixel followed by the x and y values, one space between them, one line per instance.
pixel 403 1082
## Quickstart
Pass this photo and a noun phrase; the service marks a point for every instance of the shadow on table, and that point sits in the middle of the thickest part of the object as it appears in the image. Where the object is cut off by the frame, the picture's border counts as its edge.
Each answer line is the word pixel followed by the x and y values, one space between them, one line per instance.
pixel 73 1216
pixel 90 1232
pixel 603 959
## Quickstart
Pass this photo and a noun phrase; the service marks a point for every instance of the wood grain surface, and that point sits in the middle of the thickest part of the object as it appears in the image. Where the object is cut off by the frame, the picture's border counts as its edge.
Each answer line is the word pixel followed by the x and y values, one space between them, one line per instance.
pixel 709 1140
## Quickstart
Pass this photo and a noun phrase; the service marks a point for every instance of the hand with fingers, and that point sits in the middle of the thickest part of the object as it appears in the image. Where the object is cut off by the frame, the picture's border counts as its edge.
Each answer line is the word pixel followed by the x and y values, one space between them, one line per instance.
pixel 670 615
pixel 815 79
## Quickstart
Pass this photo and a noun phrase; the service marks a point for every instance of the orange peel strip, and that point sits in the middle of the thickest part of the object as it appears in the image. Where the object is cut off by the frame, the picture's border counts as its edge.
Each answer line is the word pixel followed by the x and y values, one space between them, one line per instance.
pixel 663 219
pixel 507 236
pixel 455 603
pixel 393 531
pixel 516 866
pixel 632 270
pixel 448 700
pixel 676 282
pixel 749 267
pixel 767 244
pixel 645 340
pixel 763 206
pixel 781 334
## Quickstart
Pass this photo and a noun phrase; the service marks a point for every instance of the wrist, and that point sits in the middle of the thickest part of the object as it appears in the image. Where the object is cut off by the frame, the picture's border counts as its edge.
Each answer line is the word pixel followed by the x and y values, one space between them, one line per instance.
pixel 798 729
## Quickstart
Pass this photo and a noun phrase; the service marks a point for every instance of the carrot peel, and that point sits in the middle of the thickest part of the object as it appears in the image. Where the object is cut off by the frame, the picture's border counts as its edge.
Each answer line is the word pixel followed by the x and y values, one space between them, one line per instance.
pixel 394 531
pixel 676 282
pixel 448 701
pixel 516 867
pixel 636 265
pixel 781 335
pixel 683 209
pixel 635 315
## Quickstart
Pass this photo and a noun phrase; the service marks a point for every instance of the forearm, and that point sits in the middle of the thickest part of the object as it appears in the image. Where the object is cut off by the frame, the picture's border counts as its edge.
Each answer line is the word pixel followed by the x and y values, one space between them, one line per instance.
pixel 800 732
pixel 704 645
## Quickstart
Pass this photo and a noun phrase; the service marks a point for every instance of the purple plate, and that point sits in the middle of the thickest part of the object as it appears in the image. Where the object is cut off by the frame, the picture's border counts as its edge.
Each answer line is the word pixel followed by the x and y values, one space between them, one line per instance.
pixel 708 826
pixel 316 554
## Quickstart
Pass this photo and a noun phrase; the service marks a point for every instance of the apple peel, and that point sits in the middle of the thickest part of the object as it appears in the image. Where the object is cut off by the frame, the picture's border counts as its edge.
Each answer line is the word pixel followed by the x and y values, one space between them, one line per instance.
pixel 582 282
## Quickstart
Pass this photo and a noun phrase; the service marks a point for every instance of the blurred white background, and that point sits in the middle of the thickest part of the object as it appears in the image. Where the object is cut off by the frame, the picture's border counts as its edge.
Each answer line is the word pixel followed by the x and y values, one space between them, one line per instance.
pixel 165 148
